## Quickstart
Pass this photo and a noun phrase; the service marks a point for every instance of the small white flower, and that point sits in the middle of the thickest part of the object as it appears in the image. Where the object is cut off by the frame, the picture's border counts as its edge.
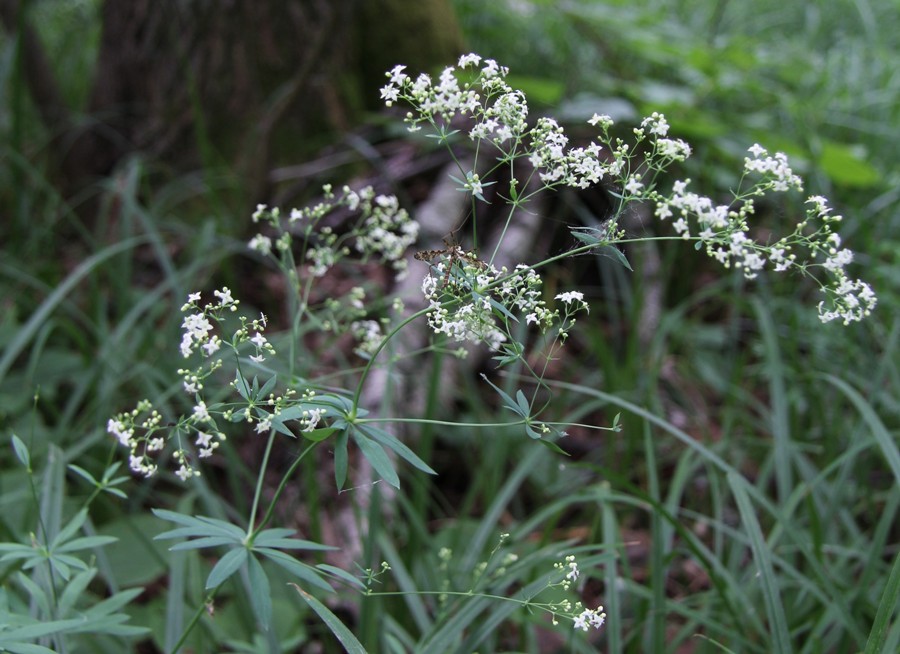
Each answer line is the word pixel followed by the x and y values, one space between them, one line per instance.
pixel 633 185
pixel 261 244
pixel 757 150
pixel 570 296
pixel 200 412
pixel 581 622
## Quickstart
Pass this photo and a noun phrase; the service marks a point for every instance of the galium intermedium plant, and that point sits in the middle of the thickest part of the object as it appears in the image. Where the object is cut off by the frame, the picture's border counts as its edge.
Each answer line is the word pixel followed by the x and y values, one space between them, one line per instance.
pixel 468 298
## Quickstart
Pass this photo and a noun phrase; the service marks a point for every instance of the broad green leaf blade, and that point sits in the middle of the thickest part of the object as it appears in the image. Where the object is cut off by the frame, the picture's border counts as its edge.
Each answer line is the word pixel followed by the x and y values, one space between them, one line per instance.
pixel 334 624
pixel 227 566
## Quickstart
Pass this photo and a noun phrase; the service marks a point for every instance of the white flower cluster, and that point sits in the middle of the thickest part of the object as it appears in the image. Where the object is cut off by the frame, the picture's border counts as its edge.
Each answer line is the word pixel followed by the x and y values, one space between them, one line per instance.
pixel 723 231
pixel 472 301
pixel 198 327
pixel 368 333
pixel 147 420
pixel 586 618
pixel 499 116
pixel 384 230
pixel 590 618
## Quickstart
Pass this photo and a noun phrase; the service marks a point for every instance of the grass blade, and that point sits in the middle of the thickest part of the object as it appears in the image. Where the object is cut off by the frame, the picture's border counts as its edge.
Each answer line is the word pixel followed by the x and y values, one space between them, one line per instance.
pixel 334 624
pixel 886 609
pixel 781 643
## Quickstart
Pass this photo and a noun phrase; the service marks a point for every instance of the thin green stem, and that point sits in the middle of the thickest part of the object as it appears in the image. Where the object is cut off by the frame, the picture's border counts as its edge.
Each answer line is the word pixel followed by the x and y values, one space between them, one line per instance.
pixel 281 486
pixel 381 346
pixel 194 620
pixel 259 483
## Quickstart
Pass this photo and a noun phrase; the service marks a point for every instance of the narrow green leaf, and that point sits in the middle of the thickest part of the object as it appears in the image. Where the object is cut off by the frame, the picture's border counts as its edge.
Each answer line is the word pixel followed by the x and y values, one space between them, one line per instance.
pixel 780 638
pixel 280 542
pixel 298 544
pixel 260 593
pixel 587 235
pixel 226 566
pixel 886 608
pixel 273 533
pixel 389 440
pixel 318 435
pixel 241 386
pixel 28 331
pixel 84 474
pixel 74 590
pixel 553 447
pixel 267 387
pixel 376 456
pixel 345 636
pixel 70 529
pixel 507 400
pixel 523 403
pixel 340 458
pixel 297 568
pixel 21 451
pixel 11 638
pixel 24 648
pixel 498 307
pixel 615 253
pixel 342 574
pixel 203 543
pixel 884 439
pixel 86 542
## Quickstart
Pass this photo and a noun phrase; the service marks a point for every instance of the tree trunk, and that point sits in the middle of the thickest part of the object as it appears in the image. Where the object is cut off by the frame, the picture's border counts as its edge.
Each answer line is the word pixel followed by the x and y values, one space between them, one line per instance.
pixel 239 82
